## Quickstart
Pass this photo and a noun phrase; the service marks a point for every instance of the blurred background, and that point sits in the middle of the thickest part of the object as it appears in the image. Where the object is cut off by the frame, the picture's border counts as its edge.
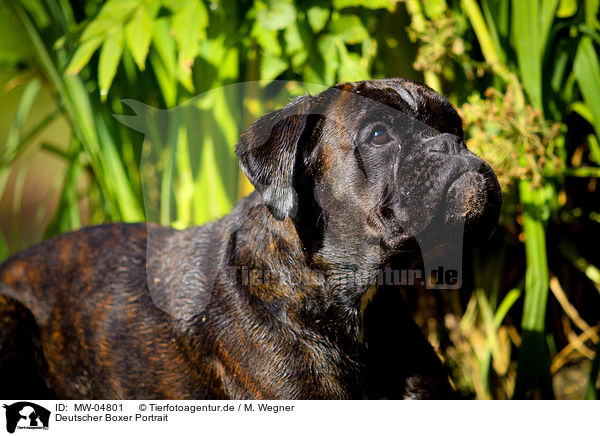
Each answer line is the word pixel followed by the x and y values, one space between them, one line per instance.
pixel 525 76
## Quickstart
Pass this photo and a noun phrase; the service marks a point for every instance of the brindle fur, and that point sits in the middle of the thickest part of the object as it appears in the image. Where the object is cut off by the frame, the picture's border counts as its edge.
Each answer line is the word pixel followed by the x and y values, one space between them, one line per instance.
pixel 82 315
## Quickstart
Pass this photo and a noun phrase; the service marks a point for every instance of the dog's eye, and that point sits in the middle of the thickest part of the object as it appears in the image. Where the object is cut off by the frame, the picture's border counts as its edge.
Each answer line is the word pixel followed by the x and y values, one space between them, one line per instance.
pixel 379 136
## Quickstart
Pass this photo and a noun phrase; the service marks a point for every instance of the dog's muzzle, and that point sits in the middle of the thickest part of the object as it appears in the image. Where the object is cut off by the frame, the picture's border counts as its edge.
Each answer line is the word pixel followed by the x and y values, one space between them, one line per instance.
pixel 474 198
pixel 471 193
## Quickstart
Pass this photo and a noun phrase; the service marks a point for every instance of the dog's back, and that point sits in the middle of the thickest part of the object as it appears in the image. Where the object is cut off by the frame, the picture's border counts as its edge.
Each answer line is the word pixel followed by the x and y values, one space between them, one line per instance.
pixel 79 304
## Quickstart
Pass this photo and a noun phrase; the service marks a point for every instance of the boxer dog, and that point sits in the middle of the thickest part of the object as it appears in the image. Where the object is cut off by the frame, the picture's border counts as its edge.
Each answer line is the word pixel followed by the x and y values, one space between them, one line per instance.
pixel 280 298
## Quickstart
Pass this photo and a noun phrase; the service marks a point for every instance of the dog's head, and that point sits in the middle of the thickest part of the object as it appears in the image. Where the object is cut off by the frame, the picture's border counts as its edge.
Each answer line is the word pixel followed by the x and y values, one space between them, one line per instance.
pixel 382 161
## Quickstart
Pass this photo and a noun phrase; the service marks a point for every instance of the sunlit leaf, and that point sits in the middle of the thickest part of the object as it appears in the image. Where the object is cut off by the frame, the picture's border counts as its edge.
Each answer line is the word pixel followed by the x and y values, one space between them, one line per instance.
pixel 110 56
pixel 113 13
pixel 188 26
pixel 566 8
pixel 163 58
pixel 317 18
pixel 369 4
pixel 293 41
pixel 587 72
pixel 434 8
pixel 37 10
pixel 277 16
pixel 591 14
pixel 352 67
pixel 271 66
pixel 531 21
pixel 328 50
pixel 138 34
pixel 349 29
pixel 83 54
pixel 267 39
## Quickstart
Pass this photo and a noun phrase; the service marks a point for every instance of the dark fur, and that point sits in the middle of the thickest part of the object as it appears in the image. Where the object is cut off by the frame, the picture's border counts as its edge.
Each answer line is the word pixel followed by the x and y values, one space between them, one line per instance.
pixel 142 311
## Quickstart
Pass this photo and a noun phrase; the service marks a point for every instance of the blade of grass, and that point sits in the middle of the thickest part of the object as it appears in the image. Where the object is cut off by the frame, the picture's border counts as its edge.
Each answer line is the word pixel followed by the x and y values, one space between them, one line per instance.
pixel 9 157
pixel 13 140
pixel 166 187
pixel 531 27
pixel 4 249
pixel 115 176
pixel 18 190
pixel 587 72
pixel 491 325
pixel 27 99
pixel 592 272
pixel 45 204
pixel 185 181
pixel 582 172
pixel 488 48
pixel 533 377
pixel 67 215
pixel 75 99
pixel 163 58
pixel 418 23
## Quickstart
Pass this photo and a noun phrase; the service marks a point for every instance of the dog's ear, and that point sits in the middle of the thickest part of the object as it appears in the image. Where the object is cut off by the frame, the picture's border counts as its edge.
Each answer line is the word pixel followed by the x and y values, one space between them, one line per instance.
pixel 267 153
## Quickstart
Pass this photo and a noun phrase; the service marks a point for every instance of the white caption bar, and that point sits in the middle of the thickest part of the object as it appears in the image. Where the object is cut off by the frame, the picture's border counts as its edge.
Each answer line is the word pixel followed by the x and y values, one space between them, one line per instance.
pixel 38 418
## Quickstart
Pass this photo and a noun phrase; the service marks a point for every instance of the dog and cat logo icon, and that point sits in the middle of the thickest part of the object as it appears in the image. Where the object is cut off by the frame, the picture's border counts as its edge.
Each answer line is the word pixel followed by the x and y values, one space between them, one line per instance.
pixel 26 415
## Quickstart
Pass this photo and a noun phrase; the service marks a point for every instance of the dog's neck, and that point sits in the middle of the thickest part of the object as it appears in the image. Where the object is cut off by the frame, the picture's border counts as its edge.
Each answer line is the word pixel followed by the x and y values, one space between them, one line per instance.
pixel 315 291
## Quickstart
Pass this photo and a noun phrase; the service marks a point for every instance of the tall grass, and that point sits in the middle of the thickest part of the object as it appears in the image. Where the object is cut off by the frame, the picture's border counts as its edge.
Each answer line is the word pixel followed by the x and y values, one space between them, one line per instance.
pixel 545 74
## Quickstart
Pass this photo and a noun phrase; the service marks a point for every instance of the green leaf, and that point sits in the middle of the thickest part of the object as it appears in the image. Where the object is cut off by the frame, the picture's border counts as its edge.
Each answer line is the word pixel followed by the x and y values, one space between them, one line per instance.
pixel 10 150
pixel 184 75
pixel 594 148
pixel 188 27
pixel 293 41
pixel 568 250
pixel 113 14
pixel 349 29
pixel 532 368
pixel 164 61
pixel 110 55
pixel 587 72
pixel 115 175
pixel 329 52
pixel 271 66
pixel 267 39
pixel 317 18
pixel 369 4
pixel 531 27
pixel 583 110
pixel 496 19
pixel 138 34
pixel 25 104
pixel 591 13
pixel 352 67
pixel 566 8
pixel 277 16
pixel 36 9
pixel 82 55
pixel 4 249
pixel 434 8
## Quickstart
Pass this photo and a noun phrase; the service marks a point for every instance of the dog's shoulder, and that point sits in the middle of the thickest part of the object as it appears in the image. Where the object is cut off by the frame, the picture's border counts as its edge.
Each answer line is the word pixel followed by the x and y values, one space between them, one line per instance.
pixel 54 270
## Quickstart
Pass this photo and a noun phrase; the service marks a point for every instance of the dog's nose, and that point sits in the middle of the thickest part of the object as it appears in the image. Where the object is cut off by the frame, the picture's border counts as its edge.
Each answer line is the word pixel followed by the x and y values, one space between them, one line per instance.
pixel 445 143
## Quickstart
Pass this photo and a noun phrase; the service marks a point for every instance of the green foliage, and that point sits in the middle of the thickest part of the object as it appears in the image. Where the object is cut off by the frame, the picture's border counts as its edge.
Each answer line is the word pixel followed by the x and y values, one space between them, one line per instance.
pixel 162 52
pixel 541 57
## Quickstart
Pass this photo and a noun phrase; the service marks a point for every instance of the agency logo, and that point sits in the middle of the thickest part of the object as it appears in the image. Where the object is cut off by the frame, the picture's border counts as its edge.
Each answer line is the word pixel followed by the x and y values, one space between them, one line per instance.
pixel 26 416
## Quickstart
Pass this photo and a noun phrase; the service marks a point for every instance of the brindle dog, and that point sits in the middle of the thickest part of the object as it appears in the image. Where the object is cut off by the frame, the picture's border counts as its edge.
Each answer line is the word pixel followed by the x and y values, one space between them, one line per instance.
pixel 275 300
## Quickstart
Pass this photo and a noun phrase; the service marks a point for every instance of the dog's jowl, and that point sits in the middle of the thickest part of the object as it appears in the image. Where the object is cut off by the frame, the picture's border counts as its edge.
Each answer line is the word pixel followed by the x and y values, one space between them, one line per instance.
pixel 295 294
